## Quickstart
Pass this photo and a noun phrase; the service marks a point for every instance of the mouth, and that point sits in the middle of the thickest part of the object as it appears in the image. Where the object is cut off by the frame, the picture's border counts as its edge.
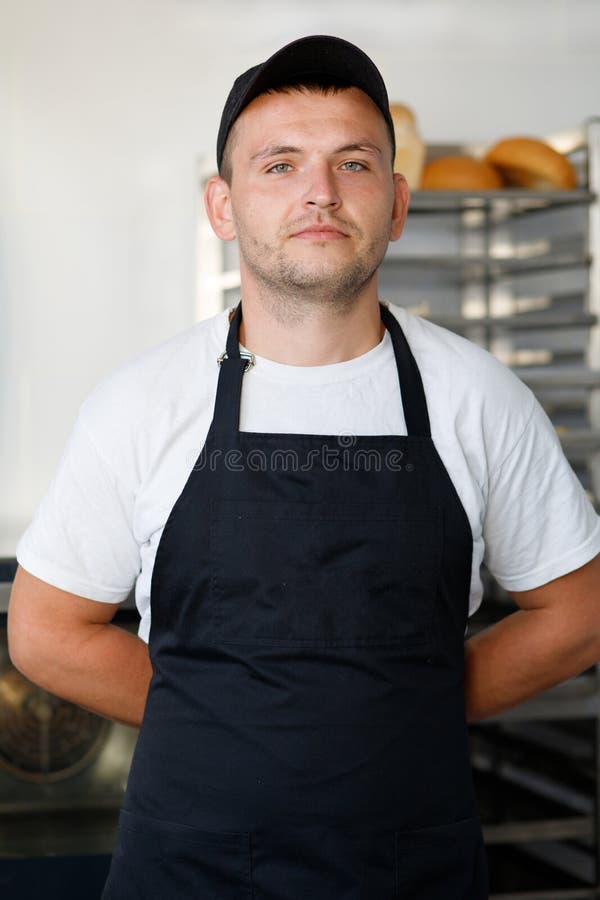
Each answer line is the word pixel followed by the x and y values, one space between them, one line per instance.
pixel 320 233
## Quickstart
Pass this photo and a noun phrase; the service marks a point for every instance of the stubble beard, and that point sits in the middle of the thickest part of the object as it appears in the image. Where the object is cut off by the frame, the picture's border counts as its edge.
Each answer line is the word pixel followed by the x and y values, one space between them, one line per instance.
pixel 299 290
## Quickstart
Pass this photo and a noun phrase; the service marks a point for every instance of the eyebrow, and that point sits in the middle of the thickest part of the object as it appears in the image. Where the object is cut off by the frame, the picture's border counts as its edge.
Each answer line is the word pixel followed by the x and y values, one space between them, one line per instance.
pixel 282 149
pixel 274 150
pixel 366 146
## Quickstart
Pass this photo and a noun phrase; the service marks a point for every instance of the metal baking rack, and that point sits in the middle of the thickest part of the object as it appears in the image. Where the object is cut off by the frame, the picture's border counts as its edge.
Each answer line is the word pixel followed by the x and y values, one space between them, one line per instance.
pixel 518 272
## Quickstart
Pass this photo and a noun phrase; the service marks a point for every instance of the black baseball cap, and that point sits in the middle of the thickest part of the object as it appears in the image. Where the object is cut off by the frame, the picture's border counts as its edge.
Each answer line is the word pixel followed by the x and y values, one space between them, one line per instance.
pixel 314 58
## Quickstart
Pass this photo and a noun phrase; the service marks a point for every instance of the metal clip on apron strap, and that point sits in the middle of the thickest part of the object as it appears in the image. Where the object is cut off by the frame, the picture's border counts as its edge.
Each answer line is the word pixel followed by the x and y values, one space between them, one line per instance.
pixel 249 357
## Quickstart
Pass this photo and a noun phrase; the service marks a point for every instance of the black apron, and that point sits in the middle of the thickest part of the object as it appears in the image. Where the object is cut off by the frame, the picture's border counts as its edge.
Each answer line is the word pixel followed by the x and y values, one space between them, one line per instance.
pixel 304 736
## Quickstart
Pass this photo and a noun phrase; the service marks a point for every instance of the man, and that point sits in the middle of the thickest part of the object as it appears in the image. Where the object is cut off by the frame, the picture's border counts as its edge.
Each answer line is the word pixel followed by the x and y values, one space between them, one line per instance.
pixel 303 734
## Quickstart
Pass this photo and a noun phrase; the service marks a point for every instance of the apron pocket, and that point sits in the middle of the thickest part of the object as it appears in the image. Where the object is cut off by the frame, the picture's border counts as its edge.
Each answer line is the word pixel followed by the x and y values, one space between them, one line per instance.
pixel 154 860
pixel 324 574
pixel 323 864
pixel 442 862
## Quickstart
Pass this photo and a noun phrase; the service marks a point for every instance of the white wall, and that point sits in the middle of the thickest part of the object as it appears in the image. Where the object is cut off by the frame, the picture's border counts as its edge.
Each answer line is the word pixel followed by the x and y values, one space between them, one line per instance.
pixel 106 108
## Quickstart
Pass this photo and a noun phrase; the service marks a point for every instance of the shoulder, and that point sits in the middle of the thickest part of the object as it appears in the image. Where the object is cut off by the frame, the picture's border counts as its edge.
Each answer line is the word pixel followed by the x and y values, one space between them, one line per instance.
pixel 462 370
pixel 472 397
pixel 151 376
pixel 129 402
pixel 438 349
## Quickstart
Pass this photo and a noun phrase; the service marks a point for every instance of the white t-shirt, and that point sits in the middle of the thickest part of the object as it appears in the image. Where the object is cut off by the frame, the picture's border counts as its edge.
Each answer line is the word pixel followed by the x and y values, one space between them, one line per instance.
pixel 139 433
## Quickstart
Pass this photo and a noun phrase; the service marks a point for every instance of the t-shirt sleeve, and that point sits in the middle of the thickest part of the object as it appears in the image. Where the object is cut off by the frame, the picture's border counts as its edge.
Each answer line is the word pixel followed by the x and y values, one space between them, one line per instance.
pixel 81 536
pixel 539 523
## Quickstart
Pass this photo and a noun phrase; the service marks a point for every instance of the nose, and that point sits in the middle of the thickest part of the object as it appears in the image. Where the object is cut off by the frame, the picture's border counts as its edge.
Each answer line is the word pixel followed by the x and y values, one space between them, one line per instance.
pixel 322 190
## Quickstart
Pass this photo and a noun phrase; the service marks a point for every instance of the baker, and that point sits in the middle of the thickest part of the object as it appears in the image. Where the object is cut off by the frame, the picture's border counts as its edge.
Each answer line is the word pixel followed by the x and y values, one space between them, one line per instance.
pixel 303 488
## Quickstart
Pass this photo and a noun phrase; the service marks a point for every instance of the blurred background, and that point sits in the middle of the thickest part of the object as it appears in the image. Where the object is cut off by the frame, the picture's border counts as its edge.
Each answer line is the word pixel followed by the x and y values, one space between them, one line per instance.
pixel 108 121
pixel 109 109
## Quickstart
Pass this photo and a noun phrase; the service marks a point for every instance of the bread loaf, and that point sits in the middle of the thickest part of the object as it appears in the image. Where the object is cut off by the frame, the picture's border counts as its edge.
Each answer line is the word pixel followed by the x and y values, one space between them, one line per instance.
pixel 460 173
pixel 410 149
pixel 531 163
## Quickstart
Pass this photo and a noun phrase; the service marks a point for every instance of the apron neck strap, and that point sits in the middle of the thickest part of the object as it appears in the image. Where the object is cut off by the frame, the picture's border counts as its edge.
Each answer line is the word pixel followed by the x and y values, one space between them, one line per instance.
pixel 414 403
pixel 226 417
pixel 232 347
pixel 232 366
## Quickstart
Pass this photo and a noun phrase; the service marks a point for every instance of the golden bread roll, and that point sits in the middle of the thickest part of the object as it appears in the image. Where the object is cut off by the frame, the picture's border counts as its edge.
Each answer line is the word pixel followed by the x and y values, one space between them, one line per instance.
pixel 460 173
pixel 402 116
pixel 531 163
pixel 410 149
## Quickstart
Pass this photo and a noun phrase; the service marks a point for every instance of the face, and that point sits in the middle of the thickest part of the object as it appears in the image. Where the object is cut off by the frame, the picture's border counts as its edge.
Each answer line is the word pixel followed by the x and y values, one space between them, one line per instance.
pixel 312 201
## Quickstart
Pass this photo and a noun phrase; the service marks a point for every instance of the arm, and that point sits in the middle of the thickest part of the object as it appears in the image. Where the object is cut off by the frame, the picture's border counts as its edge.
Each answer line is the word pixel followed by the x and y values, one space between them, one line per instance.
pixel 554 635
pixel 66 644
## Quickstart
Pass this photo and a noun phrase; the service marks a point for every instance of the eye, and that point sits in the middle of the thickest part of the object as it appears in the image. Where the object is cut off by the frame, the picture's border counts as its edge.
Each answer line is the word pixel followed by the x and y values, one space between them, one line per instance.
pixel 356 166
pixel 280 168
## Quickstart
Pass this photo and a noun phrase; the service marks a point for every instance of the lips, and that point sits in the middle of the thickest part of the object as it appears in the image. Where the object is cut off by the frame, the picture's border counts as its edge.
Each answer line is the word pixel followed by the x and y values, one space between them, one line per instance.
pixel 320 233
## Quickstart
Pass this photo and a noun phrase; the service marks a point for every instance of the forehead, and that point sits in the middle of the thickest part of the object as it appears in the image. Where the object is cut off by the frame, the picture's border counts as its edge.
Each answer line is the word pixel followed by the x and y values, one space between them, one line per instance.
pixel 309 114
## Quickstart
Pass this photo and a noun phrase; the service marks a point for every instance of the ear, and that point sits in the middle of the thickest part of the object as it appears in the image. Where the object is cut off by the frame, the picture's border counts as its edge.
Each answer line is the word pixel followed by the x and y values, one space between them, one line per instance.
pixel 217 201
pixel 401 202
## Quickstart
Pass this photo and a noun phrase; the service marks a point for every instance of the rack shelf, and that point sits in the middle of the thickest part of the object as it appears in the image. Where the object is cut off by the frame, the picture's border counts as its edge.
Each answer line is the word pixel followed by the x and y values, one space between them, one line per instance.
pixel 505 202
pixel 480 267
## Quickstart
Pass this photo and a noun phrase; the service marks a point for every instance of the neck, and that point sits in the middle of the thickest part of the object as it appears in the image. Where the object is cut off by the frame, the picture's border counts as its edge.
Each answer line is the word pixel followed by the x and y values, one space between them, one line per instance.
pixel 303 330
pixel 316 335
